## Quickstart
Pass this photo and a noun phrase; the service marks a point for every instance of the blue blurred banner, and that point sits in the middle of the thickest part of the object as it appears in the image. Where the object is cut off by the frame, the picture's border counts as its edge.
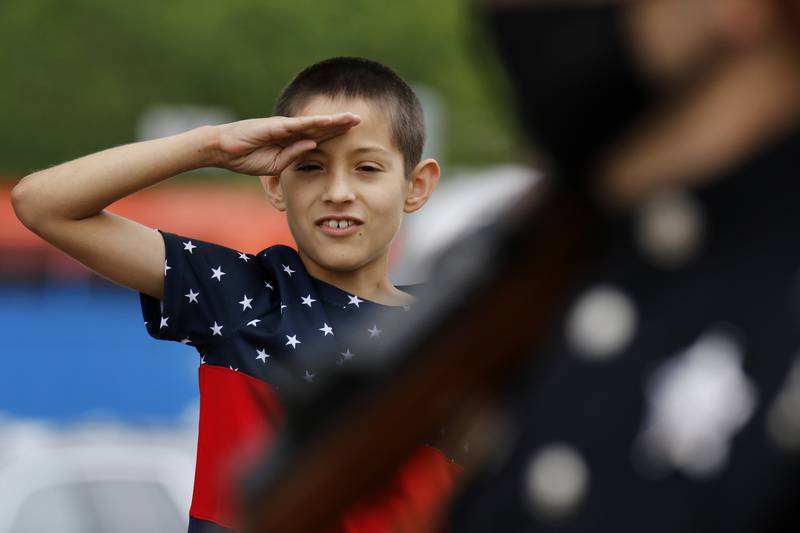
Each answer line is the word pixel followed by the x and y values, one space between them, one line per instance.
pixel 75 353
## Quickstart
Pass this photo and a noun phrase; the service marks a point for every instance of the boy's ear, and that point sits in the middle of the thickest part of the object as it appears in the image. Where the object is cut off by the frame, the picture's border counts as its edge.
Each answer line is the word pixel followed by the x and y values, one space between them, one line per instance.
pixel 422 182
pixel 272 186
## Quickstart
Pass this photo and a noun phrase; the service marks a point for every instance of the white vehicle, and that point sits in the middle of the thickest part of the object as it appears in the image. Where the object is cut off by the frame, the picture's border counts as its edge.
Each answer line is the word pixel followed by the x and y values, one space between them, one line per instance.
pixel 461 204
pixel 90 483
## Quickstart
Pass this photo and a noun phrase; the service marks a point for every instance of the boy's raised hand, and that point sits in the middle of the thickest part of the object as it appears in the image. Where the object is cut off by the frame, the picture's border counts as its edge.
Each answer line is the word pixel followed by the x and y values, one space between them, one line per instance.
pixel 266 146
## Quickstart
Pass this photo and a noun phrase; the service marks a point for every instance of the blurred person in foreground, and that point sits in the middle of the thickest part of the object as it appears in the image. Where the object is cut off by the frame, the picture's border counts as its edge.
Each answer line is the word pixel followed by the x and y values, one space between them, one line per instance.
pixel 343 159
pixel 670 398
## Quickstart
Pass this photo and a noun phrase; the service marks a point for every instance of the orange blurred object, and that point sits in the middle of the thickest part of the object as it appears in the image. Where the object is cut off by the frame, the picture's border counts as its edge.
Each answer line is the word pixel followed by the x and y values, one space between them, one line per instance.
pixel 234 215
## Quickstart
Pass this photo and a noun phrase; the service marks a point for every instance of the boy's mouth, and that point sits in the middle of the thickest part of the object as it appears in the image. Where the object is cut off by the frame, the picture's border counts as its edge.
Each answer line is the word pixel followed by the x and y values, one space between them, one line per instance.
pixel 338 225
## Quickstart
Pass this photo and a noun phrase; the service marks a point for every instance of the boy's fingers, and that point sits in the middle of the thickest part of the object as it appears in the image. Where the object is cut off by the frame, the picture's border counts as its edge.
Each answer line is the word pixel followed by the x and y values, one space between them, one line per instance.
pixel 319 126
pixel 323 135
pixel 285 130
pixel 322 121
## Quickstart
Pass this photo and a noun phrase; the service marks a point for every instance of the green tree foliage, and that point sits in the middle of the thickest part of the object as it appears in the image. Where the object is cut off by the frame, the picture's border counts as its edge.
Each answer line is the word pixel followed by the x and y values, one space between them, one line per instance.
pixel 75 76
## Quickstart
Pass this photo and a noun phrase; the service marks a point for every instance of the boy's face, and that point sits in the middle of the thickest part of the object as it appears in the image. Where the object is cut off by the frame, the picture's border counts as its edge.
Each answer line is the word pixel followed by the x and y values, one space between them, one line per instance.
pixel 344 200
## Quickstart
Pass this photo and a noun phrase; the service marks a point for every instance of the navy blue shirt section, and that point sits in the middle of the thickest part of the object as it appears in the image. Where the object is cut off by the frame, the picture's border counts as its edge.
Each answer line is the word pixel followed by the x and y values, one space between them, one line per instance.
pixel 259 314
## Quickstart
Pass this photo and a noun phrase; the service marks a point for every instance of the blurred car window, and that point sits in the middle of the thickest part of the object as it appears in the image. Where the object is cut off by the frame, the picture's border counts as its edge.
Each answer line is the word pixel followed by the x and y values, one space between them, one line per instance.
pixel 99 507
pixel 133 507
pixel 57 508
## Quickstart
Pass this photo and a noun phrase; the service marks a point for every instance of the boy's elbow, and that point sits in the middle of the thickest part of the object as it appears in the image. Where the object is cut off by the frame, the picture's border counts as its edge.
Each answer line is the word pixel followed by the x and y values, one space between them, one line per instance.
pixel 23 204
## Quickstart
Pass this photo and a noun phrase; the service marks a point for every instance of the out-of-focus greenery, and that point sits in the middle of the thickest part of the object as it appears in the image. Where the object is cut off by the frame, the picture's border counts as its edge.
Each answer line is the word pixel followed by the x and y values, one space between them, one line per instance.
pixel 75 76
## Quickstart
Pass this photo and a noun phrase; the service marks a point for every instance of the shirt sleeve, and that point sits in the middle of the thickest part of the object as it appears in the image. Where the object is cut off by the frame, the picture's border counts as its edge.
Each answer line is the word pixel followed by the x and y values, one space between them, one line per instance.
pixel 209 292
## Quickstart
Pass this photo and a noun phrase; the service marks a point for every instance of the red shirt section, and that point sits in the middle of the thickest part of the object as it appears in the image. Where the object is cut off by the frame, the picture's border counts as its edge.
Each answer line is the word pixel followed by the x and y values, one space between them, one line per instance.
pixel 237 413
pixel 411 501
pixel 240 414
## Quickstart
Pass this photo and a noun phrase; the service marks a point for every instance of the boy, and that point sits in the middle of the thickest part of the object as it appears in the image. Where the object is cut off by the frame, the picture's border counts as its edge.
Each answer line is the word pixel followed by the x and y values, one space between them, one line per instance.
pixel 343 160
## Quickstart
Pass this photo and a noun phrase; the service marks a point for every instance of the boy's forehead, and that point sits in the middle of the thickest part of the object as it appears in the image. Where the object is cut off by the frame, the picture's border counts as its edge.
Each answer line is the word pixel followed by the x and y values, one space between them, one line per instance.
pixel 375 127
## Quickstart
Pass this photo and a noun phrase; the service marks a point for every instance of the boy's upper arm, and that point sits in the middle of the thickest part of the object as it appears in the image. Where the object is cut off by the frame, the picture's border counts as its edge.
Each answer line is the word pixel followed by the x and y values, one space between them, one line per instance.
pixel 209 292
pixel 117 248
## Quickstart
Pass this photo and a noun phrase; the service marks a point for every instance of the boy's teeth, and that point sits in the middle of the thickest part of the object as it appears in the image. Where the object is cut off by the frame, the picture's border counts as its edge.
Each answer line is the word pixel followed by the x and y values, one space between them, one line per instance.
pixel 338 224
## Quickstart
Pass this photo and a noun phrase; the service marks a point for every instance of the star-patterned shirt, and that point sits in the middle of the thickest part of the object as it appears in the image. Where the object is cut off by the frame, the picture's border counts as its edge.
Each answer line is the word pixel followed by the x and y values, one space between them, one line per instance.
pixel 259 322
pixel 235 307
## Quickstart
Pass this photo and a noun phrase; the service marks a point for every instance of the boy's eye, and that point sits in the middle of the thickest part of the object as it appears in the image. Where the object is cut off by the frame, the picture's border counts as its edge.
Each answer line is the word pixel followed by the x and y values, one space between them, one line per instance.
pixel 308 167
pixel 368 168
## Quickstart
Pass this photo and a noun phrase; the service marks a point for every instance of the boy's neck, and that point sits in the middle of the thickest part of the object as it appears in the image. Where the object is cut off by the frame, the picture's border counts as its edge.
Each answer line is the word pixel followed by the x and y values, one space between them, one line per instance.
pixel 371 281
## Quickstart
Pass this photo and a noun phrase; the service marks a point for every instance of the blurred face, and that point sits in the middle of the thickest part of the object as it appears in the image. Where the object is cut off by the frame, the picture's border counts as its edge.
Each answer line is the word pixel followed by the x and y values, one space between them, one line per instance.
pixel 344 201
pixel 676 40
pixel 668 34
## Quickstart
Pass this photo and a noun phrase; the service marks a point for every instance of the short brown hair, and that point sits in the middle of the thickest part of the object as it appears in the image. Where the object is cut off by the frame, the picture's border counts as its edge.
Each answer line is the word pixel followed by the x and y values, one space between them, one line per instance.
pixel 356 77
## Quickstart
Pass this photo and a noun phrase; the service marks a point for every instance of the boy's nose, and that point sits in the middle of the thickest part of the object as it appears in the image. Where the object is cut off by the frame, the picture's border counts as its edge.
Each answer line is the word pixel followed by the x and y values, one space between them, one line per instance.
pixel 338 188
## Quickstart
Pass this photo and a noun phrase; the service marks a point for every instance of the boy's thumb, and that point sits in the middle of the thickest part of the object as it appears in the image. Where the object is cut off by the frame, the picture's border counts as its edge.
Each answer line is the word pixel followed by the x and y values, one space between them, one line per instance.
pixel 293 151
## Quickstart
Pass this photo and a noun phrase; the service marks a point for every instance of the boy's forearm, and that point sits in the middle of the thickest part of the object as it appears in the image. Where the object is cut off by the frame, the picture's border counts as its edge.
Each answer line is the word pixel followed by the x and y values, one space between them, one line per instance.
pixel 84 187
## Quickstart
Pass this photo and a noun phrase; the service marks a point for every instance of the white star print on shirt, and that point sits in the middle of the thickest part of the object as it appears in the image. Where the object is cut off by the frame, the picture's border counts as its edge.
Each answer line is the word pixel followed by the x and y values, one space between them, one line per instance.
pixel 355 300
pixel 307 300
pixel 163 322
pixel 217 329
pixel 292 339
pixel 283 306
pixel 268 285
pixel 186 341
pixel 244 257
pixel 347 354
pixel 262 355
pixel 254 322
pixel 288 270
pixel 192 296
pixel 217 273
pixel 245 303
pixel 188 246
pixel 374 331
pixel 309 377
pixel 166 267
pixel 326 329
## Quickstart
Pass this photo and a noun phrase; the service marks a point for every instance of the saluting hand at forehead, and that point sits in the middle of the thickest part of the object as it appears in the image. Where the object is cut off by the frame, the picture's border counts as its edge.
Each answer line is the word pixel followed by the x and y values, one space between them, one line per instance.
pixel 266 146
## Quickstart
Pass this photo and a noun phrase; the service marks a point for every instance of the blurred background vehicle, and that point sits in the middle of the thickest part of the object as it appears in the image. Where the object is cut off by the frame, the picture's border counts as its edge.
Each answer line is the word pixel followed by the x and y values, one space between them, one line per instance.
pixel 94 479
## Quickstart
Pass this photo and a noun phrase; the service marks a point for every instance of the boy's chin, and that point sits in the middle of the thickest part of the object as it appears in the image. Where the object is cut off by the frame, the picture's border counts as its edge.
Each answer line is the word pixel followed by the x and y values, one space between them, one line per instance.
pixel 338 263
